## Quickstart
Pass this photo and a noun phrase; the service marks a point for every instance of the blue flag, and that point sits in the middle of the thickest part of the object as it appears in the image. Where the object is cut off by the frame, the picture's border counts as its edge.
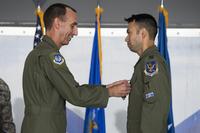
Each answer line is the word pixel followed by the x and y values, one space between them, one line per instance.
pixel 39 27
pixel 162 46
pixel 95 117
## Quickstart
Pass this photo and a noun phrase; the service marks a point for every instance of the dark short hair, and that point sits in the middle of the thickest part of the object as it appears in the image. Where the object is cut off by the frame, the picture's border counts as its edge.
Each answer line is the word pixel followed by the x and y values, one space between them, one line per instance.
pixel 57 10
pixel 146 21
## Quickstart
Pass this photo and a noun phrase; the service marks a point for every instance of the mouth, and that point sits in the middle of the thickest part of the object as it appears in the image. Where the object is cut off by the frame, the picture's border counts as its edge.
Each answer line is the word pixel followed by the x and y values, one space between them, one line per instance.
pixel 69 38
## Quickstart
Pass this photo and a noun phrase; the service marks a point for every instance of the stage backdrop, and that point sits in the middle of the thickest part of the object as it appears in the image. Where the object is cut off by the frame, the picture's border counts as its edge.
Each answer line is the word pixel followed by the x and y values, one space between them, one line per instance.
pixel 118 63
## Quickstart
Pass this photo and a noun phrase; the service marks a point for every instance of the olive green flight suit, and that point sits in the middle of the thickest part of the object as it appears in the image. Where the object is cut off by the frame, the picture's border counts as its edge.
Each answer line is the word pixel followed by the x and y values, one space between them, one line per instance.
pixel 47 84
pixel 149 100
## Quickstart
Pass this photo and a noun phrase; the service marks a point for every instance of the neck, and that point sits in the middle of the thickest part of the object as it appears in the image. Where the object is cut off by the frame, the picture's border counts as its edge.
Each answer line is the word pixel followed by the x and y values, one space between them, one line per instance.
pixel 146 45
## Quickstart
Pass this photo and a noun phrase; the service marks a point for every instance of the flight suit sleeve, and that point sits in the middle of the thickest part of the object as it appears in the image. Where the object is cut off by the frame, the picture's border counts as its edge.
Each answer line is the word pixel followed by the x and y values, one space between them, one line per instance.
pixel 6 119
pixel 156 97
pixel 80 95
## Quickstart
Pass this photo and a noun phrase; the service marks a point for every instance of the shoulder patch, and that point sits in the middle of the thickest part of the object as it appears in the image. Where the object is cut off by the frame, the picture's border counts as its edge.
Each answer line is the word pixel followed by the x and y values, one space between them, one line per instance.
pixel 151 68
pixel 58 59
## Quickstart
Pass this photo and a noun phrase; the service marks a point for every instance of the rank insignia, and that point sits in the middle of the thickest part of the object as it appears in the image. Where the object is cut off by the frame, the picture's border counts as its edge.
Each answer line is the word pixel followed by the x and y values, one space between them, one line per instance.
pixel 151 68
pixel 58 59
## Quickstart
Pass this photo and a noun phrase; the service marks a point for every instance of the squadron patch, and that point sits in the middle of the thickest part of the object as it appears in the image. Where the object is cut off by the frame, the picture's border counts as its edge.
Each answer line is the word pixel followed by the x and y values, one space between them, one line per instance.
pixel 151 68
pixel 58 59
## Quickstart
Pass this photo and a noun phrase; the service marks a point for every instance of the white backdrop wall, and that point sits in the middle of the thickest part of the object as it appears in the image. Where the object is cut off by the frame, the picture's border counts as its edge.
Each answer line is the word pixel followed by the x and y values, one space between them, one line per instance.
pixel 118 63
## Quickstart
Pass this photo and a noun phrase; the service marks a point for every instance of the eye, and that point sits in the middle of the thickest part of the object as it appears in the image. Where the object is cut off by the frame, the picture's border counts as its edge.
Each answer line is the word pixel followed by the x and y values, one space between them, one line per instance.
pixel 73 26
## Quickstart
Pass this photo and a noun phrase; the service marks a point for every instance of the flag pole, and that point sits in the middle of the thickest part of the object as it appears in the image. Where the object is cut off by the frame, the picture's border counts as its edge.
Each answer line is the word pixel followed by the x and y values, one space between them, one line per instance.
pixel 98 3
pixel 162 3
pixel 165 12
pixel 99 11
pixel 41 14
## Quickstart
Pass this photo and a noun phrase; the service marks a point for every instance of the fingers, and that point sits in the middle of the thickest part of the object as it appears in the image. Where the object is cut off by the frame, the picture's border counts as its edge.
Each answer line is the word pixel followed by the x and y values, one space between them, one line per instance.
pixel 125 89
pixel 119 89
pixel 118 83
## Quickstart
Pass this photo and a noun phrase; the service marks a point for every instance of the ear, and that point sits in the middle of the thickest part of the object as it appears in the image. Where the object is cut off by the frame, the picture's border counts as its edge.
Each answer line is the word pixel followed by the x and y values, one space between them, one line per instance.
pixel 143 33
pixel 56 23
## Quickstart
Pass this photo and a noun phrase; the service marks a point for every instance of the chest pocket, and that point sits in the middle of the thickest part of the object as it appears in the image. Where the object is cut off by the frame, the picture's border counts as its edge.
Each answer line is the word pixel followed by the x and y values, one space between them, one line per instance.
pixel 136 84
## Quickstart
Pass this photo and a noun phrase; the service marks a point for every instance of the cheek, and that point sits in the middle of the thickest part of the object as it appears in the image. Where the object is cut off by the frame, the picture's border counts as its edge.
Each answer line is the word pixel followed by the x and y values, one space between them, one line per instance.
pixel 62 32
pixel 65 29
pixel 66 32
pixel 132 39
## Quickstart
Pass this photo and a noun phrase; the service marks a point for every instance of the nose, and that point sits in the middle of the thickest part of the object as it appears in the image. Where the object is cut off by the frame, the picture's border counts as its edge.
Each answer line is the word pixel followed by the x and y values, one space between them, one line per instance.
pixel 75 31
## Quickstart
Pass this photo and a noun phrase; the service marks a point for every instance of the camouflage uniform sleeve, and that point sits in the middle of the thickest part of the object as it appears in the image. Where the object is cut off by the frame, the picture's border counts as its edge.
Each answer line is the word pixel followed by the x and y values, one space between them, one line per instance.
pixel 156 96
pixel 63 80
pixel 6 119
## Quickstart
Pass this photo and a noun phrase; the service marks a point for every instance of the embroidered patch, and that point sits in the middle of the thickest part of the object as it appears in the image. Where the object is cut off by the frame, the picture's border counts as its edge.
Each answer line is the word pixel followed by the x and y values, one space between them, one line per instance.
pixel 58 59
pixel 151 68
pixel 149 95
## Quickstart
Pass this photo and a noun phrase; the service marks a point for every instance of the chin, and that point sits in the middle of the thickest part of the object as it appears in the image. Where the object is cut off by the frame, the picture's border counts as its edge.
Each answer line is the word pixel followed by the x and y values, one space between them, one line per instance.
pixel 133 50
pixel 65 43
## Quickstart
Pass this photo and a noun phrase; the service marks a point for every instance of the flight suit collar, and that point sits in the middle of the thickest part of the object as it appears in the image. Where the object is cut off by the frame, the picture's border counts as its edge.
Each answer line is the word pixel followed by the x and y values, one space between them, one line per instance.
pixel 50 42
pixel 147 52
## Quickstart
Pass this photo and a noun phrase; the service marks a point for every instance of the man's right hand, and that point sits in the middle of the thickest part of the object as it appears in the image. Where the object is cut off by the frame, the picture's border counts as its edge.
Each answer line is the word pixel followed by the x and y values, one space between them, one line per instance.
pixel 119 88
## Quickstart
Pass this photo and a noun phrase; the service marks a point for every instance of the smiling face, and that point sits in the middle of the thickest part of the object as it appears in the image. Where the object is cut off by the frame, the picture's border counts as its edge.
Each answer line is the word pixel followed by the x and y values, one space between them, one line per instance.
pixel 68 27
pixel 134 38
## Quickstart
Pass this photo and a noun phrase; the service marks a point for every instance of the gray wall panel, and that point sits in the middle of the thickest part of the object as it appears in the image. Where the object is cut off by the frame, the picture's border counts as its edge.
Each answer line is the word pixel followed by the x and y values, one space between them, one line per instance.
pixel 182 13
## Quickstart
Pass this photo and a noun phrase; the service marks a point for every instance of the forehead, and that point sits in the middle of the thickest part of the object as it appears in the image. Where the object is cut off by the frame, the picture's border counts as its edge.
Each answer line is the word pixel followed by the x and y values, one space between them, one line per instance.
pixel 132 25
pixel 71 15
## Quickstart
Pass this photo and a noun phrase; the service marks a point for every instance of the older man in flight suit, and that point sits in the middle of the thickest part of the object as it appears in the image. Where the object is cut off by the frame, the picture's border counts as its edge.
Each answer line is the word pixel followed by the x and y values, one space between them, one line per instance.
pixel 48 83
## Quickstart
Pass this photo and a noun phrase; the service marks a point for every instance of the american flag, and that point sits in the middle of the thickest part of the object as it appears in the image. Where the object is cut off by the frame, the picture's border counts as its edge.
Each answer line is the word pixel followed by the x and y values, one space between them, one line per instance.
pixel 39 32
